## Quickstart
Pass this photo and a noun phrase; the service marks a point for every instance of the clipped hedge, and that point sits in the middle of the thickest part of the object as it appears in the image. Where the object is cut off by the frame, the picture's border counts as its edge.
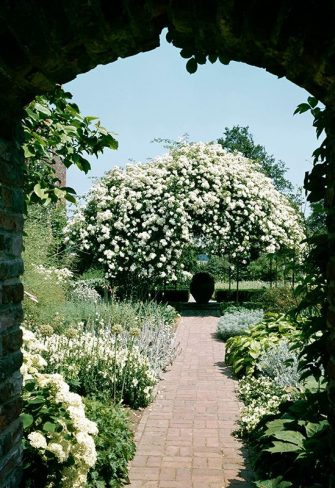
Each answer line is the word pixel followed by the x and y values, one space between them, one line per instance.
pixel 243 295
pixel 171 296
pixel 224 306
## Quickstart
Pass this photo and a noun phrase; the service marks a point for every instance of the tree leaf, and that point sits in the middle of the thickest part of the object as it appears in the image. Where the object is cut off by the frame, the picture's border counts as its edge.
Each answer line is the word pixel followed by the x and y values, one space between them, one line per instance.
pixel 40 192
pixel 192 66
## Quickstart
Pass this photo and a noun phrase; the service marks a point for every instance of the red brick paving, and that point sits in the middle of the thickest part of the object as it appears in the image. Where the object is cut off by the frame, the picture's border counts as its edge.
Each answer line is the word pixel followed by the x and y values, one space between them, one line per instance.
pixel 184 439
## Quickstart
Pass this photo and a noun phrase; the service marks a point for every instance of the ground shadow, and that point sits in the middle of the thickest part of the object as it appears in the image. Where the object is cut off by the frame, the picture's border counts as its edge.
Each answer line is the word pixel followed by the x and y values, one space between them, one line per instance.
pixel 224 369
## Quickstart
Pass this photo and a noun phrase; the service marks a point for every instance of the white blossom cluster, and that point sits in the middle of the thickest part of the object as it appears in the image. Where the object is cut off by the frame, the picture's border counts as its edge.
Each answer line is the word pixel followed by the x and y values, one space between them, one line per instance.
pixel 139 220
pixel 74 445
pixel 102 363
pixel 60 275
pixel 262 396
pixel 81 292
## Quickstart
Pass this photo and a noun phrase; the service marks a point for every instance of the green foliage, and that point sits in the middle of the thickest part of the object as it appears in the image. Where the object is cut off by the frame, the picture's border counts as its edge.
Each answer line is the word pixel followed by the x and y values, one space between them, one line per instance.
pixel 41 413
pixel 114 443
pixel 240 139
pixel 227 306
pixel 202 287
pixel 273 483
pixel 55 128
pixel 243 352
pixel 294 443
pixel 43 247
pixel 279 300
pixel 261 397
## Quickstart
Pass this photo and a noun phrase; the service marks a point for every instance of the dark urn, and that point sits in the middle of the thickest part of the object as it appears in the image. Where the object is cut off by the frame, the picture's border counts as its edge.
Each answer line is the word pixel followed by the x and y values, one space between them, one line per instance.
pixel 202 287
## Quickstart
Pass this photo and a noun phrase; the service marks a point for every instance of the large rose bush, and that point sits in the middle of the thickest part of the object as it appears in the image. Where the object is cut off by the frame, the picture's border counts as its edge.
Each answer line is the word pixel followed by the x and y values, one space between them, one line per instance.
pixel 139 220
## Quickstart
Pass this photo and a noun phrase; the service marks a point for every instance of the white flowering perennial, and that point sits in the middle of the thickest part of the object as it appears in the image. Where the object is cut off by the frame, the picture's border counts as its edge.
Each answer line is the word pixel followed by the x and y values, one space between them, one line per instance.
pixel 101 364
pixel 60 275
pixel 58 428
pixel 139 220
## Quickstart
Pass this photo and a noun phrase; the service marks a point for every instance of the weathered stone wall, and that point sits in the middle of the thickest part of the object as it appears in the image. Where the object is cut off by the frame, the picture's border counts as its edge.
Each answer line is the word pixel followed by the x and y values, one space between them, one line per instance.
pixel 11 294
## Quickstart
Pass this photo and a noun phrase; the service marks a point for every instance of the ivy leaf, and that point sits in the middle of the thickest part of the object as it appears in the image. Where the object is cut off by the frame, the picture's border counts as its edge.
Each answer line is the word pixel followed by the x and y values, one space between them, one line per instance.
pixel 192 66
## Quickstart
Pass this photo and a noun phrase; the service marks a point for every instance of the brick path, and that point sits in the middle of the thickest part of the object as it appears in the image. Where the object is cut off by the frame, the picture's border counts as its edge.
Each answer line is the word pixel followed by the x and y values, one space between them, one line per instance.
pixel 184 438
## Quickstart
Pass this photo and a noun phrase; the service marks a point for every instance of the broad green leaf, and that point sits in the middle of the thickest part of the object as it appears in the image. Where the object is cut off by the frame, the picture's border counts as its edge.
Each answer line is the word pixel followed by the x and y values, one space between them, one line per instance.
pixel 290 436
pixel 49 427
pixel 313 428
pixel 273 483
pixel 27 420
pixel 70 198
pixel 283 447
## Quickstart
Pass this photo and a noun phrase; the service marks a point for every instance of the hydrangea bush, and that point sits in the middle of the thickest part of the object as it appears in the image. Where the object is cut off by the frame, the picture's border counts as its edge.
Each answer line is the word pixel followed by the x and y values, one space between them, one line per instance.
pixel 236 321
pixel 59 449
pixel 139 221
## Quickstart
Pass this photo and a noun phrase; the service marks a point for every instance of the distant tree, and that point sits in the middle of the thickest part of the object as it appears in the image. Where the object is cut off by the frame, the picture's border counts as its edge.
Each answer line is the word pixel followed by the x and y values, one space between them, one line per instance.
pixel 240 139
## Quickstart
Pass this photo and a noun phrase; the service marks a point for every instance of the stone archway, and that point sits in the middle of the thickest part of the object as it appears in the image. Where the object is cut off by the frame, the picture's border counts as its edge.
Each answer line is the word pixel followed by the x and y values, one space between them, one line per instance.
pixel 48 42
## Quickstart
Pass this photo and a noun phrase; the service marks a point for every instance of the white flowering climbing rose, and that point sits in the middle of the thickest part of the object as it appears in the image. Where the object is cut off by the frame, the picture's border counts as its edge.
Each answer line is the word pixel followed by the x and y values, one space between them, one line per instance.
pixel 140 219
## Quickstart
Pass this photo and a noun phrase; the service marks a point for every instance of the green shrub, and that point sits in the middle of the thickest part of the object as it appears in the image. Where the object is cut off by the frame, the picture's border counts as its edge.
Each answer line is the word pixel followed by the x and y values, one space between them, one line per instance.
pixel 242 295
pixel 294 442
pixel 280 300
pixel 243 352
pixel 227 306
pixel 68 314
pixel 114 444
pixel 202 287
pixel 173 296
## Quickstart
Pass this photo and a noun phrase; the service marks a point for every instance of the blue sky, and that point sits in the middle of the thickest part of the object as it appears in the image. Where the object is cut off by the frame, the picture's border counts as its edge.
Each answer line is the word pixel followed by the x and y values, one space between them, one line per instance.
pixel 151 95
